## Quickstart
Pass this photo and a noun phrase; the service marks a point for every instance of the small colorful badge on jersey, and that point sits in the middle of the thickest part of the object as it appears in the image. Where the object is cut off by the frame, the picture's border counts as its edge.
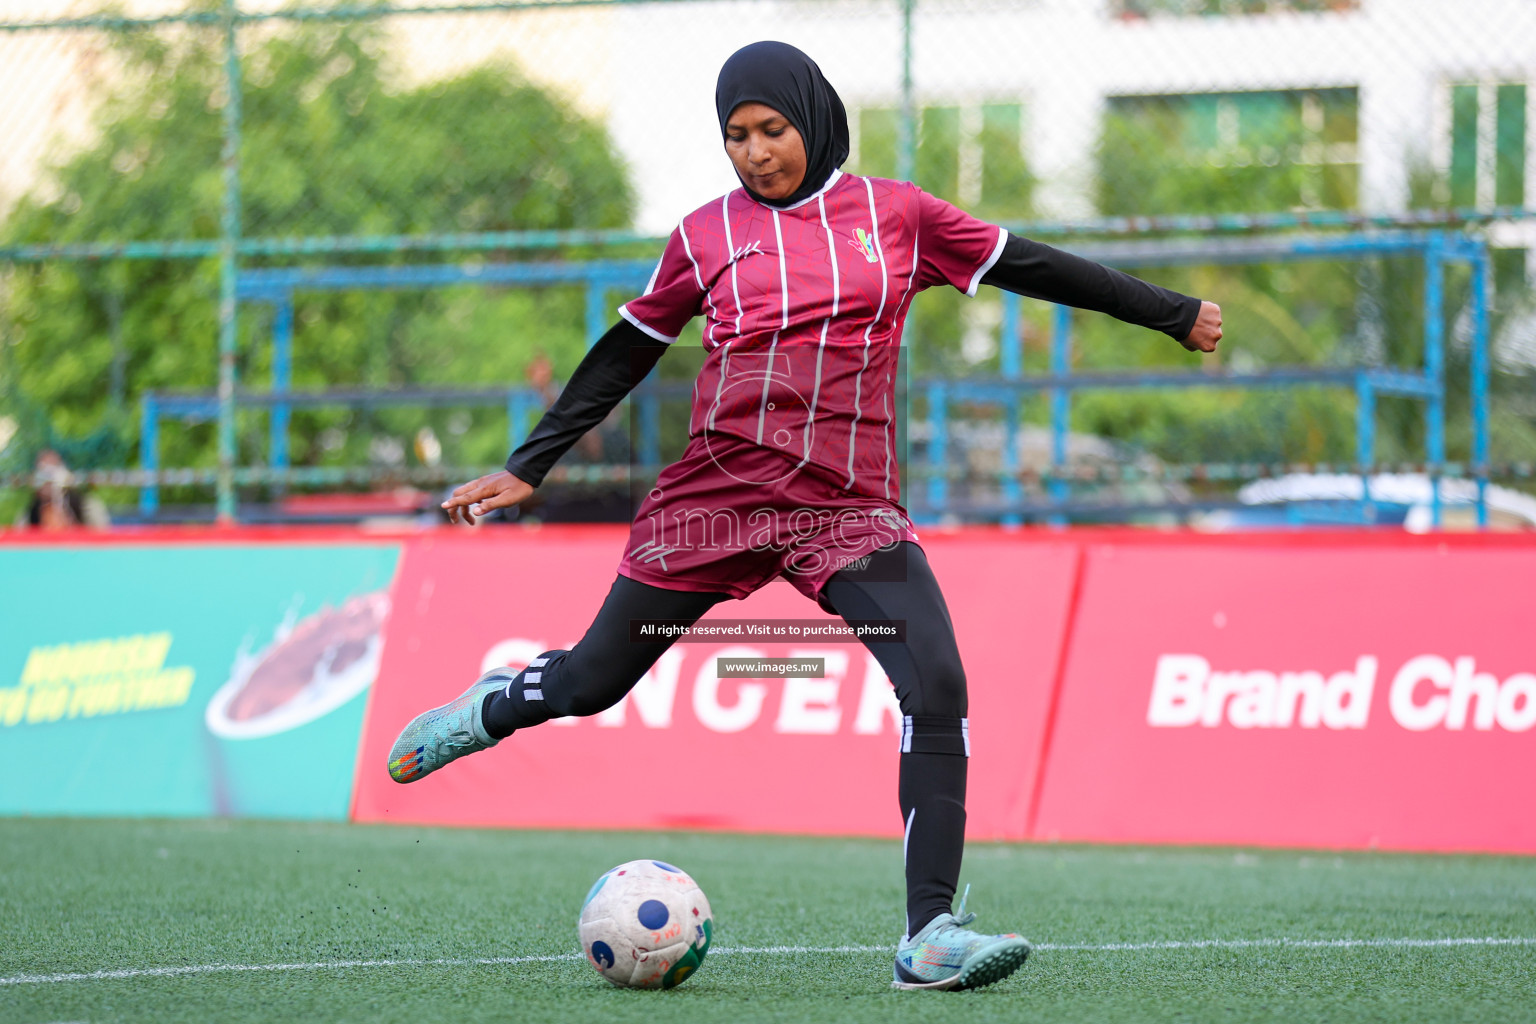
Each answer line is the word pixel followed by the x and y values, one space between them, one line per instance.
pixel 865 243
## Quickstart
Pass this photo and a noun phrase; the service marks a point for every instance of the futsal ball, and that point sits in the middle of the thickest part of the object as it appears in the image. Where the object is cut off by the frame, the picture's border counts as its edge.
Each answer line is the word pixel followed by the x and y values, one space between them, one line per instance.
pixel 645 924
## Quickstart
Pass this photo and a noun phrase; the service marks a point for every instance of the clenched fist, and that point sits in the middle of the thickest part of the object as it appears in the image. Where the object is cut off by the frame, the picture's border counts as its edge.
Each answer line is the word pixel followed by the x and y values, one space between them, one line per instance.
pixel 1207 330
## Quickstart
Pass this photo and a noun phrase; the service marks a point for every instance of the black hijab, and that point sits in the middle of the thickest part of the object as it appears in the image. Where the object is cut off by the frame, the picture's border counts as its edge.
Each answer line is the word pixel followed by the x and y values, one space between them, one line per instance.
pixel 790 82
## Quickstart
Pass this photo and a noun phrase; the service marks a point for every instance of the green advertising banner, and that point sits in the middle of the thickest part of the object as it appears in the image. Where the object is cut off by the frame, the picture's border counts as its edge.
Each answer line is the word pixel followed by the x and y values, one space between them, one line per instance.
pixel 190 679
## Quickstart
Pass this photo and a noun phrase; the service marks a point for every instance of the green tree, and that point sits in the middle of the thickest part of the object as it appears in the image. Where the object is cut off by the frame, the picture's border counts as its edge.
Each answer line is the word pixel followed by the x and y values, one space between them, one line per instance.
pixel 1246 153
pixel 332 144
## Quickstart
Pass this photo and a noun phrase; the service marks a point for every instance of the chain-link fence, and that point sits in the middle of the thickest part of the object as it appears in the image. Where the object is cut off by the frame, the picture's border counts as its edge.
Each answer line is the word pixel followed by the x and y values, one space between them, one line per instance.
pixel 154 157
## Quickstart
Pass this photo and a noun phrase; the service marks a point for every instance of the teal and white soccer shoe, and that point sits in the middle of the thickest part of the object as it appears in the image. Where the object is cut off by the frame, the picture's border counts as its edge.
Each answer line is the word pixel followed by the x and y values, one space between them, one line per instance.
pixel 947 955
pixel 433 738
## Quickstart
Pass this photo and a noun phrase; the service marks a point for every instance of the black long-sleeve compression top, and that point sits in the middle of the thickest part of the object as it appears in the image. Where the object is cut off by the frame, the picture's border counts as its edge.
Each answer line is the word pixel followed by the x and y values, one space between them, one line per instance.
pixel 1040 271
pixel 622 357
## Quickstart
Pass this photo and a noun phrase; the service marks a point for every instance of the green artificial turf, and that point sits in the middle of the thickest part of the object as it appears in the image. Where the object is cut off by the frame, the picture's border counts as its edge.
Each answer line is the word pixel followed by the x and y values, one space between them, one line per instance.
pixel 92 896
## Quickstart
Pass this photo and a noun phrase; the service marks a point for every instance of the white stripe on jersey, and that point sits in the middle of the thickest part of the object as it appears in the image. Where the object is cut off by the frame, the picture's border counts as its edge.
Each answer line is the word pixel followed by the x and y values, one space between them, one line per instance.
pixel 981 271
pixel 646 328
pixel 725 361
pixel 853 431
pixel 714 316
pixel 825 188
pixel 885 403
pixel 778 235
pixel 916 239
pixel 730 247
pixel 762 408
pixel 816 390
pixel 650 286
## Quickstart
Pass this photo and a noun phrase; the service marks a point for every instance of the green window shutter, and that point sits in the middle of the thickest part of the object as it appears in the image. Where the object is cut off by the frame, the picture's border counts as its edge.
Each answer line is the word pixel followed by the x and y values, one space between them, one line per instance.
pixel 1266 118
pixel 1005 179
pixel 1341 127
pixel 1215 152
pixel 1198 120
pixel 1464 145
pixel 938 152
pixel 1341 115
pixel 1509 147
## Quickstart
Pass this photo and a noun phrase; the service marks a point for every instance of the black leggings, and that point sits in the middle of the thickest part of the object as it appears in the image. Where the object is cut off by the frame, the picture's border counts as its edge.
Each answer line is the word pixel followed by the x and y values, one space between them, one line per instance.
pixel 895 584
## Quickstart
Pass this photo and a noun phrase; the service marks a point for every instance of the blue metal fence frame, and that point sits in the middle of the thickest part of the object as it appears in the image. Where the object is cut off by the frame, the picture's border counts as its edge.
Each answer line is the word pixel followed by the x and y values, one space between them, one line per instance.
pixel 277 288
pixel 1437 249
pixel 232 245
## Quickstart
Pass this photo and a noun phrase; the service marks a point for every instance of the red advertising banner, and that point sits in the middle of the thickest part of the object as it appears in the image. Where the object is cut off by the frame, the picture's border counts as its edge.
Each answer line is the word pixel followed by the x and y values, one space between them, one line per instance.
pixel 1299 692
pixel 687 748
pixel 1322 689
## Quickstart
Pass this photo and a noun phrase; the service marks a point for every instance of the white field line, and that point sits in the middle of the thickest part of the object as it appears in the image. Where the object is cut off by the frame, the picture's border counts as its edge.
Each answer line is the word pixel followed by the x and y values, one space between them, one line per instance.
pixel 1112 947
pixel 1118 947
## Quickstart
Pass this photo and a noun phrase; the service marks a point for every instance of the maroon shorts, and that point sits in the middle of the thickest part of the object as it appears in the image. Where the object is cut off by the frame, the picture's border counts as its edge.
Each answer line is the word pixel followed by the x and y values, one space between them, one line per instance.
pixel 730 516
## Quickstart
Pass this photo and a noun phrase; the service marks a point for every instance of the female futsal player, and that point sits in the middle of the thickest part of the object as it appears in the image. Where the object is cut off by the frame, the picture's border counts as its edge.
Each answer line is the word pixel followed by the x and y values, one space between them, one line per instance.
pixel 804 275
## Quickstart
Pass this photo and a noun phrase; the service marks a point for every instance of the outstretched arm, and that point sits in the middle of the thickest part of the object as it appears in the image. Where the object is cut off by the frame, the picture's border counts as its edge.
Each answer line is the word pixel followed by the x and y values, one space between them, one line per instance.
pixel 609 371
pixel 1039 271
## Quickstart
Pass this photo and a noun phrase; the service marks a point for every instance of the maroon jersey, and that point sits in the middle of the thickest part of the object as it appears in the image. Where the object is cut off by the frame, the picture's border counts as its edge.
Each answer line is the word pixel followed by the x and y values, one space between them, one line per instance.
pixel 804 308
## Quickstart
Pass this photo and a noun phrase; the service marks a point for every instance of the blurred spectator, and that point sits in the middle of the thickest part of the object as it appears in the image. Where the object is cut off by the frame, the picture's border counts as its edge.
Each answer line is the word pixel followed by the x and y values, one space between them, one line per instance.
pixel 56 504
pixel 608 442
pixel 541 374
pixel 579 500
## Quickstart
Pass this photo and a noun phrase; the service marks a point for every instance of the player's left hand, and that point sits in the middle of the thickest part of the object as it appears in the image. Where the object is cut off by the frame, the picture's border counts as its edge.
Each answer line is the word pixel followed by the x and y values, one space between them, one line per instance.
pixel 1207 330
pixel 478 497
